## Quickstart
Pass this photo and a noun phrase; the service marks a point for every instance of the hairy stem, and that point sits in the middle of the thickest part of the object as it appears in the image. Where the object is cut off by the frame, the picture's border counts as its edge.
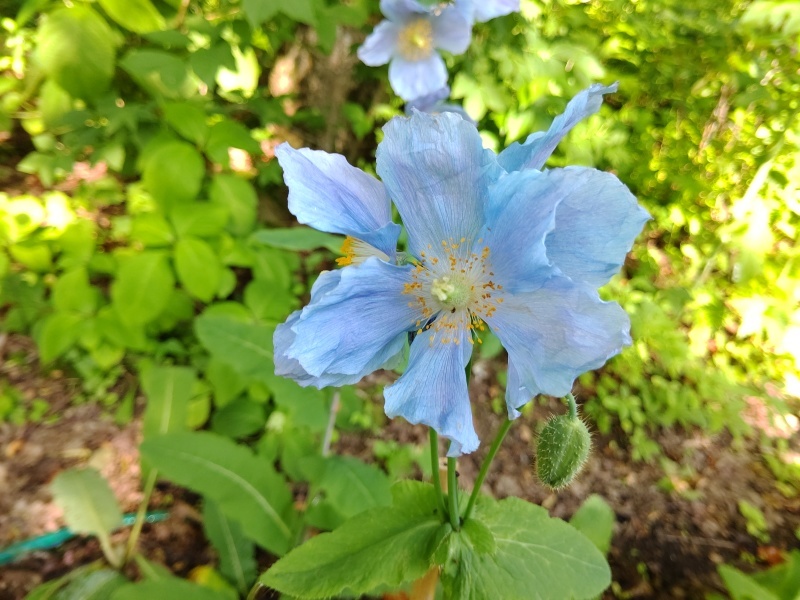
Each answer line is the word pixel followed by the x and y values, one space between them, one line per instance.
pixel 498 439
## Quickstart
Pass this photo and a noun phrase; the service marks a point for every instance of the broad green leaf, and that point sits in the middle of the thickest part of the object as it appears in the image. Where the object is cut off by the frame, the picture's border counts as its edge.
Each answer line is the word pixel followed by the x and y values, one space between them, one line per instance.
pixel 245 346
pixel 76 49
pixel 160 73
pixel 268 302
pixel 536 557
pixel 225 380
pixel 198 267
pixel 73 293
pixel 33 254
pixel 245 486
pixel 54 102
pixel 188 119
pixel 744 587
pixel 382 546
pixel 174 173
pixel 229 134
pixel 239 419
pixel 235 550
pixel 152 230
pixel 89 505
pixel 298 238
pixel 168 391
pixel 167 588
pixel 139 16
pixel 151 571
pixel 300 10
pixel 57 334
pixel 201 219
pixel 308 406
pixel 143 287
pixel 258 11
pixel 94 585
pixel 239 197
pixel 595 519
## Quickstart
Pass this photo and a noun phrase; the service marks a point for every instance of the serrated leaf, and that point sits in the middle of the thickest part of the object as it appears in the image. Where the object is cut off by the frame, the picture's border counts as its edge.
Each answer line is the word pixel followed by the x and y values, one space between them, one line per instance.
pixel 245 346
pixel 298 238
pixel 382 546
pixel 246 487
pixel 236 558
pixel 76 49
pixel 198 267
pixel 168 391
pixel 595 519
pixel 89 504
pixel 139 16
pixel 536 558
pixel 142 288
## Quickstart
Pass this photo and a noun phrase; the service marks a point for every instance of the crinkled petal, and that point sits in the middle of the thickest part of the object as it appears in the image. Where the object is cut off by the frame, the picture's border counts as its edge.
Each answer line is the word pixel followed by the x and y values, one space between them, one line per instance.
pixel 359 325
pixel 433 391
pixel 596 224
pixel 401 10
pixel 436 171
pixel 554 334
pixel 427 102
pixel 452 31
pixel 520 213
pixel 380 45
pixel 329 194
pixel 415 78
pixel 535 151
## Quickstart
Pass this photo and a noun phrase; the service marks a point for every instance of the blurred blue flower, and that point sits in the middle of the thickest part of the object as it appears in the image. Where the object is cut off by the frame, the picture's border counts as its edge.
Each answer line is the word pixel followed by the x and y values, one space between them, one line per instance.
pixel 408 39
pixel 434 104
pixel 520 251
pixel 484 10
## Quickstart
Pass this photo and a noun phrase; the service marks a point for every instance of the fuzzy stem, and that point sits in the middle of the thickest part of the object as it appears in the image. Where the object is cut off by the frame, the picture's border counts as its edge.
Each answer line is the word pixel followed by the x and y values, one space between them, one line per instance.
pixel 437 484
pixel 573 406
pixel 498 439
pixel 452 493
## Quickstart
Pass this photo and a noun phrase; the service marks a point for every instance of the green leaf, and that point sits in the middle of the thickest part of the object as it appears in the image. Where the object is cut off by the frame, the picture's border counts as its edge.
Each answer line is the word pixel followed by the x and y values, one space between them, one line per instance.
pixel 59 332
pixel 743 587
pixel 239 197
pixel 229 134
pixel 188 119
pixel 73 293
pixel 139 16
pixel 245 346
pixel 225 380
pixel 239 419
pixel 160 73
pixel 167 588
pixel 94 585
pixel 383 546
pixel 536 557
pixel 300 10
pixel 89 505
pixel 174 173
pixel 353 487
pixel 76 49
pixel 202 219
pixel 268 302
pixel 199 269
pixel 595 519
pixel 245 486
pixel 298 238
pixel 168 391
pixel 258 11
pixel 236 559
pixel 151 229
pixel 143 287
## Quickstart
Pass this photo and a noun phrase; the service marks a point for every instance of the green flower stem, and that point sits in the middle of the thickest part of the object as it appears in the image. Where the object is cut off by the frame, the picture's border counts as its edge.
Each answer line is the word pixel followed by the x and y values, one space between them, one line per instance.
pixel 452 493
pixel 437 484
pixel 141 514
pixel 573 406
pixel 501 434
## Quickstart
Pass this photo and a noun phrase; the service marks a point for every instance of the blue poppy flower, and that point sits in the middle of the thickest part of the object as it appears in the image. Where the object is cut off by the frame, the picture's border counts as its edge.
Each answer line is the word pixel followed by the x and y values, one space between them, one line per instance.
pixel 520 252
pixel 434 103
pixel 484 10
pixel 408 39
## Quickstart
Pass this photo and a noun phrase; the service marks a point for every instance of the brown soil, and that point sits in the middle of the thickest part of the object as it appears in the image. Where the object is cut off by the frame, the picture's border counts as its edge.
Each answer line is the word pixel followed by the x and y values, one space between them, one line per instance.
pixel 666 544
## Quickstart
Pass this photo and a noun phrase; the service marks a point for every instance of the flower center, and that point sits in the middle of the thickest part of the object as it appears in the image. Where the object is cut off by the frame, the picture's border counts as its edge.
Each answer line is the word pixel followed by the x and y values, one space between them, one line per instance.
pixel 452 287
pixel 415 40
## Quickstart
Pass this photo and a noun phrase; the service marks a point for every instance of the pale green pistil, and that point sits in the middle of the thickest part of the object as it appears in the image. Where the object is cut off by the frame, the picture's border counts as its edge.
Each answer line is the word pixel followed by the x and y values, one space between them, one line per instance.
pixel 451 292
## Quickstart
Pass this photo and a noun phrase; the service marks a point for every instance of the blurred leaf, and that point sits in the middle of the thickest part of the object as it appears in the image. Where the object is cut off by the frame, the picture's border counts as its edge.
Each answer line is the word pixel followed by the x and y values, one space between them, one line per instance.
pixel 595 519
pixel 239 419
pixel 199 269
pixel 236 552
pixel 258 11
pixel 188 119
pixel 73 293
pixel 94 585
pixel 142 288
pixel 167 588
pixel 202 219
pixel 160 73
pixel 245 346
pixel 239 197
pixel 298 238
pixel 58 333
pixel 174 173
pixel 743 587
pixel 168 391
pixel 139 16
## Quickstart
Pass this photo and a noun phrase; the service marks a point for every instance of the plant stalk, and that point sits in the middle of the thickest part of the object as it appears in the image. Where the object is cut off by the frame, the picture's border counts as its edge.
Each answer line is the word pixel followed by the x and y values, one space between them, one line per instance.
pixel 498 439
pixel 437 484
pixel 452 493
pixel 133 538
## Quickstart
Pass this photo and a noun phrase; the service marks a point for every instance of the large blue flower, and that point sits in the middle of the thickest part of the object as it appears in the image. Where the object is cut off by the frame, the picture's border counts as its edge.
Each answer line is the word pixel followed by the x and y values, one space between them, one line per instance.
pixel 518 250
pixel 408 40
pixel 484 10
pixel 434 104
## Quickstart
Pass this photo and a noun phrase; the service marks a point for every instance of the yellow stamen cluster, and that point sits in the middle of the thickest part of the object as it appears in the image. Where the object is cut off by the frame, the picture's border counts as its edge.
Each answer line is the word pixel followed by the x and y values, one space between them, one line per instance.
pixel 452 286
pixel 355 252
pixel 415 40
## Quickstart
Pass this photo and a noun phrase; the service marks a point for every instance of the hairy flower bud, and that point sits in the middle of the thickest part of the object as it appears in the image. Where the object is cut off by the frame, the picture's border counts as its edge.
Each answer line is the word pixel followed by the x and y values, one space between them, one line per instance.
pixel 562 450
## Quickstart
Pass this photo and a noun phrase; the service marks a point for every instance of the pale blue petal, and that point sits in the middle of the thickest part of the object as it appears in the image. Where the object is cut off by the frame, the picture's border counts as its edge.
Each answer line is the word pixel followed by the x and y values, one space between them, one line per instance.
pixel 436 171
pixel 329 194
pixel 401 10
pixel 414 78
pixel 554 334
pixel 452 31
pixel 520 213
pixel 535 151
pixel 359 325
pixel 489 9
pixel 428 102
pixel 433 391
pixel 596 224
pixel 379 46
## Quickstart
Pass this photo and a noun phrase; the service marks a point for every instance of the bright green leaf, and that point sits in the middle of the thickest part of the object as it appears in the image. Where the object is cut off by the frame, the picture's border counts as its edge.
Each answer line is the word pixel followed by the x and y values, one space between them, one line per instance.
pixel 595 519
pixel 73 292
pixel 239 197
pixel 258 11
pixel 143 287
pixel 139 16
pixel 168 391
pixel 167 588
pixel 201 219
pixel 89 505
pixel 99 584
pixel 239 419
pixel 298 238
pixel 235 550
pixel 198 267
pixel 188 119
pixel 245 346
pixel 58 333
pixel 160 73
pixel 174 173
